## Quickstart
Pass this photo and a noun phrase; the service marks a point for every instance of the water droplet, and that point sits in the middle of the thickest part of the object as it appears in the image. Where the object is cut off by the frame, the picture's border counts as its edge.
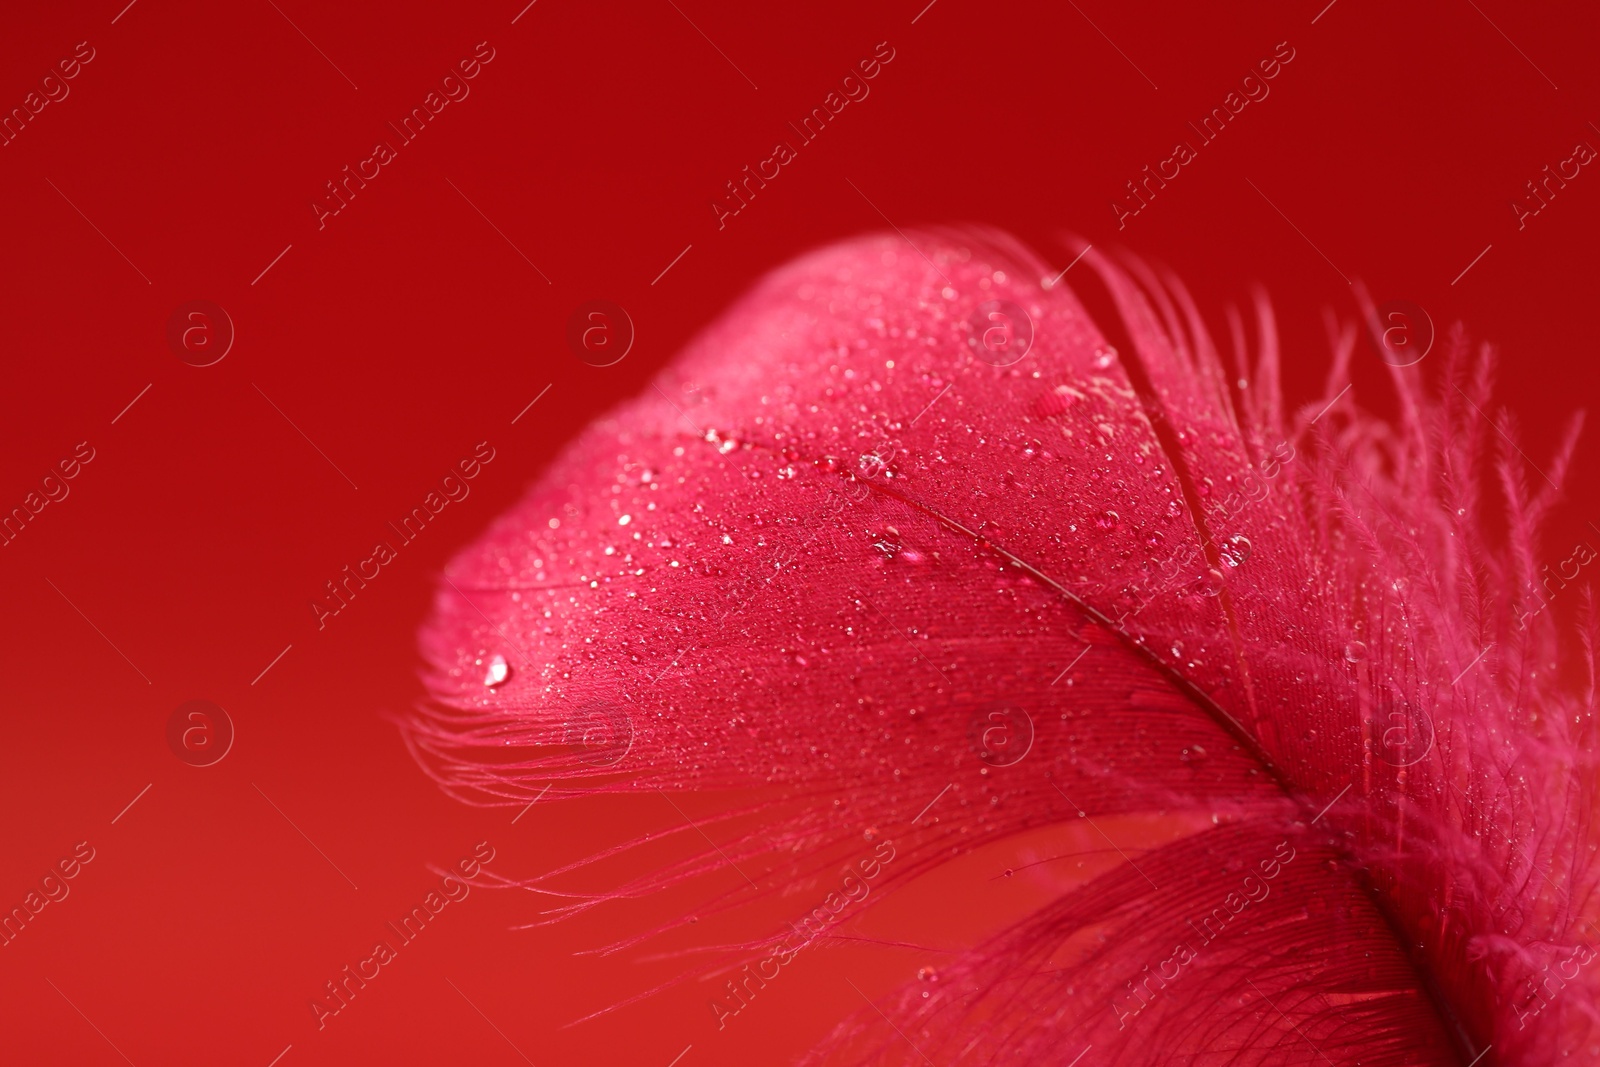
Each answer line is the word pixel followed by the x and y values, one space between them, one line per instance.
pixel 928 974
pixel 1211 583
pixel 870 834
pixel 1104 356
pixel 497 671
pixel 1055 402
pixel 1355 651
pixel 1008 872
pixel 1235 550
pixel 1107 519
pixel 871 465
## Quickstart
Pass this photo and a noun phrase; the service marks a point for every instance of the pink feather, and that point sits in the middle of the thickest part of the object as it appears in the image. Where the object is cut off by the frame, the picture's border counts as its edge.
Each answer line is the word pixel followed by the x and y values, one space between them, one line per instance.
pixel 834 541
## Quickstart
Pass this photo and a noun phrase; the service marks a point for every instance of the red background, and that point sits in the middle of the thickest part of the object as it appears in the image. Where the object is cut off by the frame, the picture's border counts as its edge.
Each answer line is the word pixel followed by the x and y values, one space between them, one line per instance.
pixel 408 329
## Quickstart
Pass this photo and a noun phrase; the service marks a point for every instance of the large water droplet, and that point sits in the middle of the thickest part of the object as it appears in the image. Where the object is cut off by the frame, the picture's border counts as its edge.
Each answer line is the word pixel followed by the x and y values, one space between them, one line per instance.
pixel 497 671
pixel 1235 550
pixel 887 542
pixel 1355 651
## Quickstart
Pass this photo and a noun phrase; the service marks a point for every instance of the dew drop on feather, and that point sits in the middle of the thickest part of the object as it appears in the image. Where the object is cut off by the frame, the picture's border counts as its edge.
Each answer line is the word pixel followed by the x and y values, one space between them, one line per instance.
pixel 1235 550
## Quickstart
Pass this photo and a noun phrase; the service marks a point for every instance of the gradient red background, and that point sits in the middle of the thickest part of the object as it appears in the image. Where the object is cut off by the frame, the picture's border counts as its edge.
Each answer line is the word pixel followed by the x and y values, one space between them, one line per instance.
pixel 408 330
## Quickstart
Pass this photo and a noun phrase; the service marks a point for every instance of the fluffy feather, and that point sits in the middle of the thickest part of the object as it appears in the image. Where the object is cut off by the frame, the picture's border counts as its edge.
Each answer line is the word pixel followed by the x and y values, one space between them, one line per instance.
pixel 832 537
